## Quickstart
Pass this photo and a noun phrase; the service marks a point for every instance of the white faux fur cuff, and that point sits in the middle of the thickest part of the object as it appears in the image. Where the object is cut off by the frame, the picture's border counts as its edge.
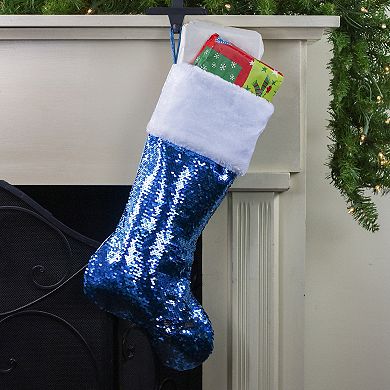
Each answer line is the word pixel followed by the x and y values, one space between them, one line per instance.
pixel 208 115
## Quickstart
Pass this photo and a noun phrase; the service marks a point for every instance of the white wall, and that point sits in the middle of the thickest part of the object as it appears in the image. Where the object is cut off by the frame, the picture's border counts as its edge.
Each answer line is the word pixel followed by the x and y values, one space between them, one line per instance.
pixel 347 335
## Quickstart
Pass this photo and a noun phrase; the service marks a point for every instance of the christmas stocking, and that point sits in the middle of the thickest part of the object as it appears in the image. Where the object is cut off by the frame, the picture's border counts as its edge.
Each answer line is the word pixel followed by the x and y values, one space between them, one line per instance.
pixel 202 134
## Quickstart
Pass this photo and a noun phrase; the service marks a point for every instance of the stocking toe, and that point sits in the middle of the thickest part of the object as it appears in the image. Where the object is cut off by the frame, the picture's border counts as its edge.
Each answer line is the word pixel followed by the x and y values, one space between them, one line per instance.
pixel 186 345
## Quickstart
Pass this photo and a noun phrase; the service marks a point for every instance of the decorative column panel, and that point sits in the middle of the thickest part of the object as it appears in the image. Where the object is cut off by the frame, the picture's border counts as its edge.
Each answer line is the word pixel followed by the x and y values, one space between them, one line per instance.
pixel 254 291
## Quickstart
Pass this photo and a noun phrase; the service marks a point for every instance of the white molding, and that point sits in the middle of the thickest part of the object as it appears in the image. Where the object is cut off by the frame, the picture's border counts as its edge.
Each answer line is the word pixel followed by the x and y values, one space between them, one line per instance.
pixel 254 292
pixel 248 21
pixel 262 181
pixel 120 27
pixel 240 248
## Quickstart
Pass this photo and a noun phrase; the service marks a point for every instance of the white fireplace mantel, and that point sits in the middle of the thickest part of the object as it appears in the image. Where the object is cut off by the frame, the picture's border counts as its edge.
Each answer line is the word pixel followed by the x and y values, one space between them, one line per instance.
pixel 76 94
pixel 154 27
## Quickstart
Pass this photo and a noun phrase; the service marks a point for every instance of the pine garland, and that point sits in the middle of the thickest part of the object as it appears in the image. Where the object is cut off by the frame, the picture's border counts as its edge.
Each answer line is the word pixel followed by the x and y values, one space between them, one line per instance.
pixel 359 125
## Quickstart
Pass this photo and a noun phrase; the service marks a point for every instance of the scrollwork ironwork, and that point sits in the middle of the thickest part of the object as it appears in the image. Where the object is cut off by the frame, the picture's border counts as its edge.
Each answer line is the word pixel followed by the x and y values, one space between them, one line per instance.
pixel 40 268
pixel 128 350
pixel 43 296
pixel 63 322
pixel 12 365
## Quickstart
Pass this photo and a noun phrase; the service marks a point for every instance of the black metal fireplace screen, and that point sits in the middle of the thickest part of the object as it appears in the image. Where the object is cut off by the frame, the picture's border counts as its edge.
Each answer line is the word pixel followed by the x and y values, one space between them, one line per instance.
pixel 51 335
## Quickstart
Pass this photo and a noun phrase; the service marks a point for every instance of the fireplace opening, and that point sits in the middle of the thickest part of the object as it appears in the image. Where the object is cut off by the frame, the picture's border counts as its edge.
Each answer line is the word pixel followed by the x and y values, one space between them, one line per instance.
pixel 51 336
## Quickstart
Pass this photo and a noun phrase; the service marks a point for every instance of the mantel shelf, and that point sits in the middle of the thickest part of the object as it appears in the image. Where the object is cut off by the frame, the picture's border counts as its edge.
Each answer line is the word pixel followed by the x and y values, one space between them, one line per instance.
pixel 262 182
pixel 154 26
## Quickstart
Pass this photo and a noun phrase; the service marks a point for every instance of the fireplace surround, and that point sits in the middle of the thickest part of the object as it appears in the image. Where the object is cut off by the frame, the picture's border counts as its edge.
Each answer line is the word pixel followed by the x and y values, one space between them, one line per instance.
pixel 87 127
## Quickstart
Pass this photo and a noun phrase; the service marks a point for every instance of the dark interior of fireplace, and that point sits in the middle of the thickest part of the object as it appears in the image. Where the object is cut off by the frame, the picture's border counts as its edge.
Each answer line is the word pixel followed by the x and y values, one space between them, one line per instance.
pixel 51 336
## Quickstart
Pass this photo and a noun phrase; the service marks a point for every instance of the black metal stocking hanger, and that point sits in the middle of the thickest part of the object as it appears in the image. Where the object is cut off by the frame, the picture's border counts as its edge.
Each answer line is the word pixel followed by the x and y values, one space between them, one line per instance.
pixel 176 13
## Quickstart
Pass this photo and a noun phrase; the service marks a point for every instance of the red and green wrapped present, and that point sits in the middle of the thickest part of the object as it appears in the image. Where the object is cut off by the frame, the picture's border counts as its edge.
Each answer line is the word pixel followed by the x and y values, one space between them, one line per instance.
pixel 229 62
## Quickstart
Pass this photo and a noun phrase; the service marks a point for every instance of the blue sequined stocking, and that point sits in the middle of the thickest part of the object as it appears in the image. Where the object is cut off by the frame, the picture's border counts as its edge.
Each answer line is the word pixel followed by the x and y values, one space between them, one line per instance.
pixel 141 272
